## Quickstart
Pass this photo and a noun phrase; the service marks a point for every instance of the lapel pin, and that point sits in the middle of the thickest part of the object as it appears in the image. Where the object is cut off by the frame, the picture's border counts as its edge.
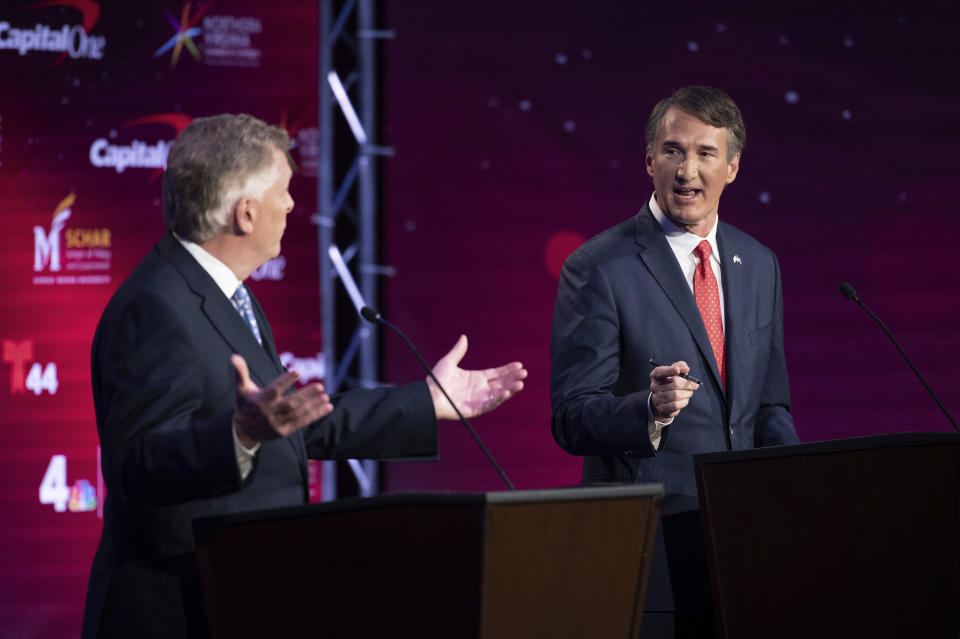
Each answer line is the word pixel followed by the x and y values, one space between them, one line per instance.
pixel 736 259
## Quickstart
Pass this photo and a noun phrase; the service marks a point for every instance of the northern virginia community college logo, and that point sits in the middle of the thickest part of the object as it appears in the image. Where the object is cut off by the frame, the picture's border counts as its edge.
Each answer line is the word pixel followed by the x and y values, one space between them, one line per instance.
pixel 227 40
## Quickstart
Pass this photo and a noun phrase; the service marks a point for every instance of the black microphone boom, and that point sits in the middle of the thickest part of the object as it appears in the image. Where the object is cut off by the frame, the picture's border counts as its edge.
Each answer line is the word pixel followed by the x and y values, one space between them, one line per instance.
pixel 375 317
pixel 848 292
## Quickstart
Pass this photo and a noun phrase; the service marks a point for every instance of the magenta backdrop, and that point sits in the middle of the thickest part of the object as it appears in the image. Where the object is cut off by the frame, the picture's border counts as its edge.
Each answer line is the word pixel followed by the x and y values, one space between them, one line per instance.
pixel 82 135
pixel 518 129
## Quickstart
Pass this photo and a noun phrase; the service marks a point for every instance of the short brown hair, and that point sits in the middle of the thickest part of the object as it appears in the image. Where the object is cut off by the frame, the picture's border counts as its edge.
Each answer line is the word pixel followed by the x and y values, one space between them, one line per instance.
pixel 707 104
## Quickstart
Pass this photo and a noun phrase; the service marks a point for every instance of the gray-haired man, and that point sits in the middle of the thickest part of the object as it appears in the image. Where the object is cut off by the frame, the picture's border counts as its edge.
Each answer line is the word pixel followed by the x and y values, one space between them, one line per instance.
pixel 195 412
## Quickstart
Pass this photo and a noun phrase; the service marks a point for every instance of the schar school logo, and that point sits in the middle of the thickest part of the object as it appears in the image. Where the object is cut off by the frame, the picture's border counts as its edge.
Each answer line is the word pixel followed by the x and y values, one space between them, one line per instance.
pixel 67 256
pixel 227 41
pixel 75 40
pixel 138 154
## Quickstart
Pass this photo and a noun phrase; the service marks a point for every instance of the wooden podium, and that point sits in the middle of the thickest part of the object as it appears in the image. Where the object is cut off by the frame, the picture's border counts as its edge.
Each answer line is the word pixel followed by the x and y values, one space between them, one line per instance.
pixel 550 563
pixel 848 538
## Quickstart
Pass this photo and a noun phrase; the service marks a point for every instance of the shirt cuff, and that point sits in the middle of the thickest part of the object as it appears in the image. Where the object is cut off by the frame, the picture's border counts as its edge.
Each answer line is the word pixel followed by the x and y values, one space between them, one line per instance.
pixel 244 455
pixel 654 426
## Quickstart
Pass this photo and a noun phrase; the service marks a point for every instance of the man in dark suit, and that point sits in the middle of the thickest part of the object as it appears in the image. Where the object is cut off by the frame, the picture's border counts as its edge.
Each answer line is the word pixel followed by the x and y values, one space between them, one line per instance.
pixel 196 414
pixel 672 284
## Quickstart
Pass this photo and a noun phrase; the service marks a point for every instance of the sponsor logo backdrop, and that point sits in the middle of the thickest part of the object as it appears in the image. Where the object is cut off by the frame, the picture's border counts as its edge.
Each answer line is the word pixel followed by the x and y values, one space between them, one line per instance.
pixel 94 94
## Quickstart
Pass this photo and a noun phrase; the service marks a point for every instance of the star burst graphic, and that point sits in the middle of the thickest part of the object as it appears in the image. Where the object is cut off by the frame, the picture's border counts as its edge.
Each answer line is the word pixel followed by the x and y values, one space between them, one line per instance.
pixel 184 31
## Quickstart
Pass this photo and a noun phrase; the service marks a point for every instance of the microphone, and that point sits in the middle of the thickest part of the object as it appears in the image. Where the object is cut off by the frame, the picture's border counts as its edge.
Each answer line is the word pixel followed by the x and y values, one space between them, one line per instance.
pixel 848 292
pixel 374 317
pixel 370 315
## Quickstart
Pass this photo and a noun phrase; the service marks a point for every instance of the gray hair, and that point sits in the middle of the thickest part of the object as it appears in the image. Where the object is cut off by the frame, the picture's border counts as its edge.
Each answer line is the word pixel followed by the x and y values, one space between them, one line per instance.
pixel 707 104
pixel 214 162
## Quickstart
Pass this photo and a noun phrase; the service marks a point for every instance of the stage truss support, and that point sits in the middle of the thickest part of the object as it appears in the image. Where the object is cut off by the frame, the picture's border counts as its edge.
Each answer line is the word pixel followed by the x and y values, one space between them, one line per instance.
pixel 348 200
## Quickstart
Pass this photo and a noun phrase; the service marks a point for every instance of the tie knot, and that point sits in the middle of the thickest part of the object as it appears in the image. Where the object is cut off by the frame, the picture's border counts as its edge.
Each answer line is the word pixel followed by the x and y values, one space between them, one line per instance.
pixel 240 295
pixel 703 250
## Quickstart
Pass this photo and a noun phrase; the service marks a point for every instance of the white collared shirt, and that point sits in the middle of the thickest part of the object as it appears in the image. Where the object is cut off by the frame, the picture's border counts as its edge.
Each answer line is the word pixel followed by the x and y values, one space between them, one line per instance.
pixel 683 243
pixel 223 276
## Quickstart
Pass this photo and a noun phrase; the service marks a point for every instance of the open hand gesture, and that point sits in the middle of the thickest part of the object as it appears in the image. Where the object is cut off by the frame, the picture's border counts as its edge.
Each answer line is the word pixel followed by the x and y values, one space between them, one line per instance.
pixel 270 412
pixel 475 392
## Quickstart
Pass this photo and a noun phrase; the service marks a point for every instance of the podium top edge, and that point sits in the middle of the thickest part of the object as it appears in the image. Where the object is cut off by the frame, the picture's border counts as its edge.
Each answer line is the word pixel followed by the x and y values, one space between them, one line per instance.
pixel 573 494
pixel 850 444
pixel 203 527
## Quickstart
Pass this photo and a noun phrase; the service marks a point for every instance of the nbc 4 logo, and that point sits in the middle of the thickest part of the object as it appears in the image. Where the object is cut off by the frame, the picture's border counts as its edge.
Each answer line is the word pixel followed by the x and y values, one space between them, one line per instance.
pixel 57 492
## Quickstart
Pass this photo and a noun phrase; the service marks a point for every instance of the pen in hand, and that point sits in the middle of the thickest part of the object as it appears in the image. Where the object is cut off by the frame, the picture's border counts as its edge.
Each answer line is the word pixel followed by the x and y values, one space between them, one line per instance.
pixel 687 376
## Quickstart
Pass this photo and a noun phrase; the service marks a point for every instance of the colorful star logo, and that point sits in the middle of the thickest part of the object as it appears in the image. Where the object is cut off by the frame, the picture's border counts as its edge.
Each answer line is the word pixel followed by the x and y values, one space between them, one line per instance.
pixel 185 30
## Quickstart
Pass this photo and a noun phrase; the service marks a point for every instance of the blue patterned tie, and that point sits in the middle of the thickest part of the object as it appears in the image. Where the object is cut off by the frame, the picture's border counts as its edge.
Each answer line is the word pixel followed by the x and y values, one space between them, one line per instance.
pixel 242 299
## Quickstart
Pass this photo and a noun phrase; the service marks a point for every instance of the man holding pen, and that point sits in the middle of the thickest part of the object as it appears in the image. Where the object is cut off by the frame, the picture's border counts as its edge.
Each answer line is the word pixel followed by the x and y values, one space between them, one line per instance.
pixel 649 308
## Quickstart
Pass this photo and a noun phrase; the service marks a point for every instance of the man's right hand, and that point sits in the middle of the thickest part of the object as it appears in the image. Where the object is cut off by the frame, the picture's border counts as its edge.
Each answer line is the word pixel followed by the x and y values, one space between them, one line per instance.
pixel 670 393
pixel 269 413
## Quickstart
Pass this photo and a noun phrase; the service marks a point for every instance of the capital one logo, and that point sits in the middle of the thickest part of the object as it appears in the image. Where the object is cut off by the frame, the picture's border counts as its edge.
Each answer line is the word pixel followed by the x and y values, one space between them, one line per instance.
pixel 46 244
pixel 75 41
pixel 308 367
pixel 138 154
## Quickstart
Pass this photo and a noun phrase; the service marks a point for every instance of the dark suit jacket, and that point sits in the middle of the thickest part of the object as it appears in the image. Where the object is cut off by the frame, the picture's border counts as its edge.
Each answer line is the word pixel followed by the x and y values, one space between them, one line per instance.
pixel 164 392
pixel 623 300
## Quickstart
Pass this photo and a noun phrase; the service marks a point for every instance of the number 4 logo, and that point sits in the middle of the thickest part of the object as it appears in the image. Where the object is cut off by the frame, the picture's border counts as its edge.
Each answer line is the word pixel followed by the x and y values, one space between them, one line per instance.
pixel 54 489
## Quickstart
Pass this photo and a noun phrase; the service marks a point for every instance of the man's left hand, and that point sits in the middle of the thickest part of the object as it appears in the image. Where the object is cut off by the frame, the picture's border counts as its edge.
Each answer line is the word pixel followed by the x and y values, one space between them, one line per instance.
pixel 475 392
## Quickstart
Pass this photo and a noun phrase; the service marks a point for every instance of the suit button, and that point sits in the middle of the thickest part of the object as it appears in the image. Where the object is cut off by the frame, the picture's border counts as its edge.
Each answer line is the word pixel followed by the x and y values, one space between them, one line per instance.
pixel 731 430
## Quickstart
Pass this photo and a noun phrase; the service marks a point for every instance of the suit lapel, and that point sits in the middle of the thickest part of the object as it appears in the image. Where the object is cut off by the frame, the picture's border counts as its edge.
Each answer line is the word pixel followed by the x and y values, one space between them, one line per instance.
pixel 734 304
pixel 660 260
pixel 219 311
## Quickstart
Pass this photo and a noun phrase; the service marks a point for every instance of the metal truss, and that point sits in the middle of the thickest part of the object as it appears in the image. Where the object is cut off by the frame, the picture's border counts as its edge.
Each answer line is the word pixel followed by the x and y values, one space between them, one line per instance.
pixel 347 196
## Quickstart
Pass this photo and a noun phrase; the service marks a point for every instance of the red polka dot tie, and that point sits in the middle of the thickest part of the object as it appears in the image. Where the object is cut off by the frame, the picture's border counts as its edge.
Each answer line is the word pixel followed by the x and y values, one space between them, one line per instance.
pixel 707 294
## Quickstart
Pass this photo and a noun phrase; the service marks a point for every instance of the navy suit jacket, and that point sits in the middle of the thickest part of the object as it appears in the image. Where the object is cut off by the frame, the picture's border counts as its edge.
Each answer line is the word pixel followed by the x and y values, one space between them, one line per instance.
pixel 623 300
pixel 164 393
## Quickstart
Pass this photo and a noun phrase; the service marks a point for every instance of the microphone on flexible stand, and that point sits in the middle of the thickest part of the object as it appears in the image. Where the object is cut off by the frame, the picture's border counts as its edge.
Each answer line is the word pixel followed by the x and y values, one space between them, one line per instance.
pixel 848 292
pixel 375 317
